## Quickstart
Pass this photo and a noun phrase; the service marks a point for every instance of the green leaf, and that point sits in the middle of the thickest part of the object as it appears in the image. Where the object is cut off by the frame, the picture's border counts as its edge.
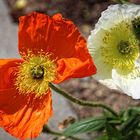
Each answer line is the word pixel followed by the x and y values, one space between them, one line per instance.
pixel 111 119
pixel 134 111
pixel 102 138
pixel 112 132
pixel 130 112
pixel 130 125
pixel 138 132
pixel 122 1
pixel 85 125
pixel 115 121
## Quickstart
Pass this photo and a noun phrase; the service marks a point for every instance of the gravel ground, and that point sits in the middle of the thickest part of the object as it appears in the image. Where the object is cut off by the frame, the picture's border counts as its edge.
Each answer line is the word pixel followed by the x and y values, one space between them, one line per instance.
pixel 90 89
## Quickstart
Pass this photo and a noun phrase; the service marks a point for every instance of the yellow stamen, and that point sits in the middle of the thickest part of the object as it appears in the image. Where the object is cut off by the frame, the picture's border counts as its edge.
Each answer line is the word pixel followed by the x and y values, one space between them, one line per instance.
pixel 35 73
pixel 120 47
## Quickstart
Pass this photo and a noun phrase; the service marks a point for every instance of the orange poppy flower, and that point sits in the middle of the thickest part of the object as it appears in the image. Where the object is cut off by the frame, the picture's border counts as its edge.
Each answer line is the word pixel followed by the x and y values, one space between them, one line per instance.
pixel 52 50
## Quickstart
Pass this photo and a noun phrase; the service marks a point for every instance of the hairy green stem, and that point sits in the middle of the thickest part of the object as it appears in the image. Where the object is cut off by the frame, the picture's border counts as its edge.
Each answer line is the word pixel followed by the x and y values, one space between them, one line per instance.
pixel 82 102
pixel 46 129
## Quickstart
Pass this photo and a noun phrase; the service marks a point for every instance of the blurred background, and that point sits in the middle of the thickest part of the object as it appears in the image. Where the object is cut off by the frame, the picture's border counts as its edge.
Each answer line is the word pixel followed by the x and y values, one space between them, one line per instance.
pixel 84 13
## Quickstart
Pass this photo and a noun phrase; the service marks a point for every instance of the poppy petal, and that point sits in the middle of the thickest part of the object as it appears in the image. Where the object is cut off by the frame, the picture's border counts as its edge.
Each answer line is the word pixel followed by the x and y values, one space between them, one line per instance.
pixel 40 32
pixel 73 68
pixel 8 68
pixel 34 32
pixel 24 116
pixel 69 47
pixel 20 115
pixel 59 37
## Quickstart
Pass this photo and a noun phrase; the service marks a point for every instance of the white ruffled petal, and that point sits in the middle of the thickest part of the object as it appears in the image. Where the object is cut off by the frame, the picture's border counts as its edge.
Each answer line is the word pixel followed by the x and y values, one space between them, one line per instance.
pixel 130 86
pixel 110 84
pixel 114 16
pixel 116 13
pixel 94 45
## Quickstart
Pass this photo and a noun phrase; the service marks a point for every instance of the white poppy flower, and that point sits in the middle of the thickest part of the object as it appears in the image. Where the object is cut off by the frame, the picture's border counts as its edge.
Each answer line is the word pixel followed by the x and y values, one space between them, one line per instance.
pixel 115 45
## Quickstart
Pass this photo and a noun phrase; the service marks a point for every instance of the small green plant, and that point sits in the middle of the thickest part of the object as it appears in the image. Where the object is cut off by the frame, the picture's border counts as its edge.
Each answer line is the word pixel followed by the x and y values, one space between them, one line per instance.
pixel 125 126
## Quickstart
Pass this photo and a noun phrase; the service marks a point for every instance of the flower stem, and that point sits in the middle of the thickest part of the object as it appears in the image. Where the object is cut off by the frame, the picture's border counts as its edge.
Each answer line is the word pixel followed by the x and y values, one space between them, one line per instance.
pixel 46 129
pixel 82 102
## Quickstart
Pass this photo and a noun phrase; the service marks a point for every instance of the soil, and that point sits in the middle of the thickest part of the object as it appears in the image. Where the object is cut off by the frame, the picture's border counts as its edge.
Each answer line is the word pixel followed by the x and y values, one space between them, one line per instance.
pixel 84 13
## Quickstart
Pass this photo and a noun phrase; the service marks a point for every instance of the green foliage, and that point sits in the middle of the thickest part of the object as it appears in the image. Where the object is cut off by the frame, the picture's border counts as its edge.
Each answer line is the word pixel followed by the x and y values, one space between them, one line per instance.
pixel 112 132
pixel 86 125
pixel 124 127
pixel 104 137
pixel 129 129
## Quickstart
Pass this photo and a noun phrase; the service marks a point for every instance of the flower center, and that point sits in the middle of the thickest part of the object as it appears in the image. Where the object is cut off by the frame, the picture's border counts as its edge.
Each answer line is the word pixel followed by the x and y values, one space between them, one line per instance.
pixel 34 74
pixel 37 72
pixel 120 47
pixel 123 47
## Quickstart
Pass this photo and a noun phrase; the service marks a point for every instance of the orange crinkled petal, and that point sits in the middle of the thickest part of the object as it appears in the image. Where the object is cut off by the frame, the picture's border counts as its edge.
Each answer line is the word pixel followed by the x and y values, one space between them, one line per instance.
pixel 59 37
pixel 73 68
pixel 20 115
pixel 24 116
pixel 8 68
pixel 34 32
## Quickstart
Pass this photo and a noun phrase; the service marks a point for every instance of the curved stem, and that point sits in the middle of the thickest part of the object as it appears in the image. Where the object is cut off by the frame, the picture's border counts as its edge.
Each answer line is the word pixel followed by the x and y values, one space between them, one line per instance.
pixel 82 102
pixel 46 129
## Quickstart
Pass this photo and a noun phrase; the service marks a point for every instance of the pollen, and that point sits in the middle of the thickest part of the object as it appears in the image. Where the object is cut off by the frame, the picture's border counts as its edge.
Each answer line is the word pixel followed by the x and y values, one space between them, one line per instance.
pixel 35 73
pixel 120 47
